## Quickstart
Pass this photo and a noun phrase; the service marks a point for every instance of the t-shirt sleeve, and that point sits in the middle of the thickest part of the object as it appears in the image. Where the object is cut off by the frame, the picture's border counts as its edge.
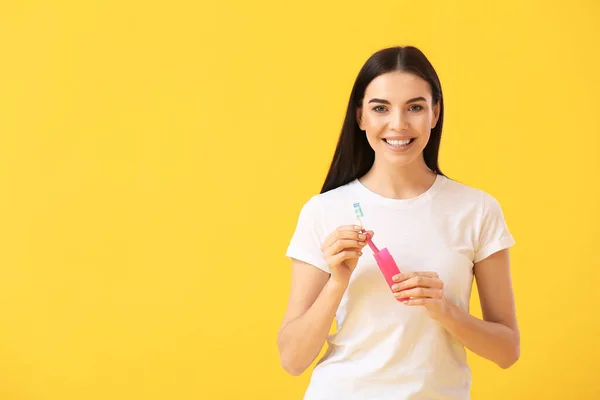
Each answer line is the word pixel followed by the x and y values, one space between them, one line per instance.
pixel 305 244
pixel 493 232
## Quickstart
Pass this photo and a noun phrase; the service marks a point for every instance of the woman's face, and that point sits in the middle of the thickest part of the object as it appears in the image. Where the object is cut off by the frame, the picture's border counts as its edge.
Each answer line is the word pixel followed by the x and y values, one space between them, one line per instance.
pixel 397 115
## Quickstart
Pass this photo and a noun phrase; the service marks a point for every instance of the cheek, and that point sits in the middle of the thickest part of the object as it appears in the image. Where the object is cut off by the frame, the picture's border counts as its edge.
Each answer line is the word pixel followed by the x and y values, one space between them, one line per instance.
pixel 423 122
pixel 373 125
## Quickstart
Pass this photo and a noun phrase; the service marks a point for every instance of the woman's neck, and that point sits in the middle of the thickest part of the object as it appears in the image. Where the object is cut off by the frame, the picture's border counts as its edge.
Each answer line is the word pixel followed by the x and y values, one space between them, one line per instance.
pixel 396 182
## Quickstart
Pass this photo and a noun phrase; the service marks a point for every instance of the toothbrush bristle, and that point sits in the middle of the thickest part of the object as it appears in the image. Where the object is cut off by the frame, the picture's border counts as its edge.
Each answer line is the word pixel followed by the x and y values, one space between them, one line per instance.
pixel 358 210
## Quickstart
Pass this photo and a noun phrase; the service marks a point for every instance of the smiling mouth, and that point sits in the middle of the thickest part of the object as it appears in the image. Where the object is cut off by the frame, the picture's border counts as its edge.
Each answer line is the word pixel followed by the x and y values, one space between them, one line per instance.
pixel 399 143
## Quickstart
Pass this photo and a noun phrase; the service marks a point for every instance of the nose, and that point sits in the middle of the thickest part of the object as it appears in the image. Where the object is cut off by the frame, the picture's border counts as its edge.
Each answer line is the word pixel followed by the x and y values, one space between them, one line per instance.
pixel 398 121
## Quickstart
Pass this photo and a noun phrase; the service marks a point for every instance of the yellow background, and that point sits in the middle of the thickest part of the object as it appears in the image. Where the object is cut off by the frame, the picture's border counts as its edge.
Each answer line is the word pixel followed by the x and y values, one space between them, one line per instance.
pixel 154 157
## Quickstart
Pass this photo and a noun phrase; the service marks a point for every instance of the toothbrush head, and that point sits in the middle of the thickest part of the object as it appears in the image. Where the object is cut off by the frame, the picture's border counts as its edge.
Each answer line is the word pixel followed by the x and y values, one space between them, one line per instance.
pixel 357 210
pixel 358 213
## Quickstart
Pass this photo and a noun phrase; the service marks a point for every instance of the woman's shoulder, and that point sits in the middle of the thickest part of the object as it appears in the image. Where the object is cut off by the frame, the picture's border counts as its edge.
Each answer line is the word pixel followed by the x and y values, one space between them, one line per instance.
pixel 332 197
pixel 330 201
pixel 461 193
pixel 340 195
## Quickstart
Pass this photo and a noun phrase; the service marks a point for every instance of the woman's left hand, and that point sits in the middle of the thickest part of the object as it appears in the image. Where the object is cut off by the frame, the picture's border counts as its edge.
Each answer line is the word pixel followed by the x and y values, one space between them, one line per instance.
pixel 421 289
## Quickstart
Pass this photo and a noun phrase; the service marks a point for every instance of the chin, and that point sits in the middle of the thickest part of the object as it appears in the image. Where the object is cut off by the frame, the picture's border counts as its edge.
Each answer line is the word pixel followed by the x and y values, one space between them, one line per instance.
pixel 401 160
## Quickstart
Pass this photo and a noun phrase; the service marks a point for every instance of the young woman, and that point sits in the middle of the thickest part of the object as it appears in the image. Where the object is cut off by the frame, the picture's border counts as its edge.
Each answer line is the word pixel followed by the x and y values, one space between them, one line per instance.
pixel 441 233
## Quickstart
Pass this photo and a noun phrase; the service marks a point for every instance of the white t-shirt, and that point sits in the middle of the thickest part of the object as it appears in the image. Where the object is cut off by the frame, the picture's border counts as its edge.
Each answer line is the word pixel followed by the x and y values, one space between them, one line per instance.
pixel 383 349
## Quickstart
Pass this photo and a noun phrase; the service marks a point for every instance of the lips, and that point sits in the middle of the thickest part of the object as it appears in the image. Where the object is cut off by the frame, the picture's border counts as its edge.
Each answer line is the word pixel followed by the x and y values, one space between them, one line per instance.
pixel 398 144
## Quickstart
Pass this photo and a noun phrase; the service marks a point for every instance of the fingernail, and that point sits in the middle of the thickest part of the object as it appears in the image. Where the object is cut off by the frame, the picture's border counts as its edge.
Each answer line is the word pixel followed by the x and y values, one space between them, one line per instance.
pixel 358 228
pixel 361 236
pixel 395 287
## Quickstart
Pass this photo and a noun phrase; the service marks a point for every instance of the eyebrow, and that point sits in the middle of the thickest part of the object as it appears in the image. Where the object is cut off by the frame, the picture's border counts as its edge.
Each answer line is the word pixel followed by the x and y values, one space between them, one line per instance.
pixel 414 100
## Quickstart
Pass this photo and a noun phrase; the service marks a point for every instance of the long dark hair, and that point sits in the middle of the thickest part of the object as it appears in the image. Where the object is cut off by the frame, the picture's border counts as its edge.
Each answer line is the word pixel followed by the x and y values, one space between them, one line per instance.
pixel 353 155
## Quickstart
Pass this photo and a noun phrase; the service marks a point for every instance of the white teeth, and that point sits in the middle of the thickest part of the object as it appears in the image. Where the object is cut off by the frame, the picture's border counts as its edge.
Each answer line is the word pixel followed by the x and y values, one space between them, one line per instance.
pixel 398 142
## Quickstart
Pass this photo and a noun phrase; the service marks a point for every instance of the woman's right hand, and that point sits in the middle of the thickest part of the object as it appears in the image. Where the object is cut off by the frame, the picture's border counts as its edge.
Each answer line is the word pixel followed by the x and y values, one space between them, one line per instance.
pixel 341 249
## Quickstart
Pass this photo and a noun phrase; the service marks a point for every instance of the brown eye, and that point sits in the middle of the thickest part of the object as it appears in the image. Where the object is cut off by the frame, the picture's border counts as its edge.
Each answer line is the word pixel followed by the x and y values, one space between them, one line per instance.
pixel 415 108
pixel 379 108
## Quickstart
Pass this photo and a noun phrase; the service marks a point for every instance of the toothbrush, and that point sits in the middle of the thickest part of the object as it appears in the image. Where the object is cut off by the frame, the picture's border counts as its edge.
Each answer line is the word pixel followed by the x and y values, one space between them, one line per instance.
pixel 384 259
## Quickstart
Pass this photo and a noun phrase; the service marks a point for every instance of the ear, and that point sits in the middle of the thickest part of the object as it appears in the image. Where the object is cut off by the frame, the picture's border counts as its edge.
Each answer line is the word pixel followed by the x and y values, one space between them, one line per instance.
pixel 436 114
pixel 359 117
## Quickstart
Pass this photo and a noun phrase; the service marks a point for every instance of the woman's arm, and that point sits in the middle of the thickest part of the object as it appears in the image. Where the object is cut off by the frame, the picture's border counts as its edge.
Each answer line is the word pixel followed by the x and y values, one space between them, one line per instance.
pixel 314 299
pixel 496 337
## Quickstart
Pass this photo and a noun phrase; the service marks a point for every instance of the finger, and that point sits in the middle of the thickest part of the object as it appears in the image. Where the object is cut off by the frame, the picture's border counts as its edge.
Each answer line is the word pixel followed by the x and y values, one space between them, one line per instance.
pixel 345 255
pixel 418 302
pixel 407 275
pixel 418 281
pixel 341 232
pixel 337 238
pixel 420 292
pixel 343 244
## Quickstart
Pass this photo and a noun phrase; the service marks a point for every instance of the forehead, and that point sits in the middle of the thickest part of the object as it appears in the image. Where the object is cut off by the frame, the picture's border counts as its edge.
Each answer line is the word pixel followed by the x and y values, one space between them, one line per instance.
pixel 397 87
